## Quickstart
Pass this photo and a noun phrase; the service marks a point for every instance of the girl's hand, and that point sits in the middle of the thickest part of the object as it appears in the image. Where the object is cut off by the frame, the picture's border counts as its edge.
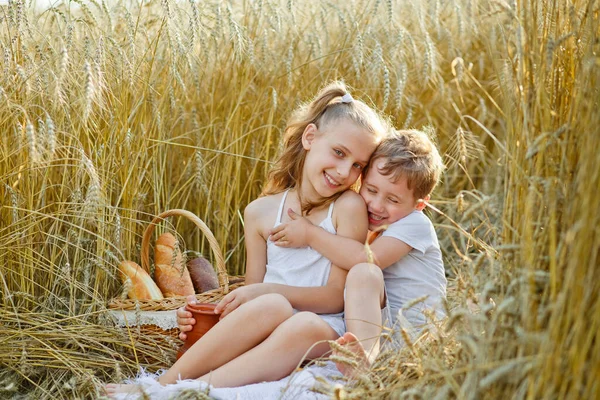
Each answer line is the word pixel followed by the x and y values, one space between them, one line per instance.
pixel 185 320
pixel 293 233
pixel 240 296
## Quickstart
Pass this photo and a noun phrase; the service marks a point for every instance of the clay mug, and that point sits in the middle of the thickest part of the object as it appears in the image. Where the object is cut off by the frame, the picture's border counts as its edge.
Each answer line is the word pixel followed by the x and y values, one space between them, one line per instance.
pixel 204 314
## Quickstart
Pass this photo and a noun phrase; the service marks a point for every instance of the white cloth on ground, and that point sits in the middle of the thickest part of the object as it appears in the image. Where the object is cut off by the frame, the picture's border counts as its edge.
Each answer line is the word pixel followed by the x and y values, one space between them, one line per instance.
pixel 299 385
pixel 163 319
pixel 303 266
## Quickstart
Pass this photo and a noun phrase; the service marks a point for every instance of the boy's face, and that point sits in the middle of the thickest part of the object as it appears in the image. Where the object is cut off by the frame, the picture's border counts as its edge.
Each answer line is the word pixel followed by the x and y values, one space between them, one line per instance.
pixel 387 201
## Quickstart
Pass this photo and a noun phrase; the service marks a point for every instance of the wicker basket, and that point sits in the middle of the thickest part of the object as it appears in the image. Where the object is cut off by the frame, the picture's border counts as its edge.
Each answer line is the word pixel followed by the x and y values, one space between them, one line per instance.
pixel 226 282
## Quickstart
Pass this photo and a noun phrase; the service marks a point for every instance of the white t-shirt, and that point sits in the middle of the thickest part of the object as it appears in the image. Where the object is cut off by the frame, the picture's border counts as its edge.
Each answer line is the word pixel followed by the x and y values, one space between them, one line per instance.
pixel 419 273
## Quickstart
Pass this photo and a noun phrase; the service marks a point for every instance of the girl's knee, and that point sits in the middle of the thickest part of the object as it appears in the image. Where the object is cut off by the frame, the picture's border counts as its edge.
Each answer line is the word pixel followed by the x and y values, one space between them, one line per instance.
pixel 275 305
pixel 365 275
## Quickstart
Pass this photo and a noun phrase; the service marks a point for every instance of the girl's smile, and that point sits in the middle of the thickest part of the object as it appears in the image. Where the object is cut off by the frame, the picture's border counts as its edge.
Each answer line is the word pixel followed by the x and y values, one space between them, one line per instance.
pixel 330 181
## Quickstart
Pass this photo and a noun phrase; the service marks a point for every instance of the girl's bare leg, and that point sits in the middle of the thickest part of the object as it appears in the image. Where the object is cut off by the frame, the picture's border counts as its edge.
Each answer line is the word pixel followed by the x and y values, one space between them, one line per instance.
pixel 364 298
pixel 258 319
pixel 278 355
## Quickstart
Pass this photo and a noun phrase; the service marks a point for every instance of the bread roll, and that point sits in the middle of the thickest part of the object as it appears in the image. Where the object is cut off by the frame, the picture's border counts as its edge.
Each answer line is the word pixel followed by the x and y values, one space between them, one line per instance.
pixel 170 272
pixel 142 285
pixel 203 275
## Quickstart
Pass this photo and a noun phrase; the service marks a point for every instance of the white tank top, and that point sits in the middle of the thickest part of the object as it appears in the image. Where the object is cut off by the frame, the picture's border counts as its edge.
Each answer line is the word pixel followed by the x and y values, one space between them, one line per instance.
pixel 298 267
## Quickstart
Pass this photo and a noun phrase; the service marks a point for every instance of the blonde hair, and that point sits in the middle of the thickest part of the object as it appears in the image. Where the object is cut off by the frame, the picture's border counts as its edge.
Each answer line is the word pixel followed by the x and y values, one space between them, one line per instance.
pixel 324 109
pixel 412 154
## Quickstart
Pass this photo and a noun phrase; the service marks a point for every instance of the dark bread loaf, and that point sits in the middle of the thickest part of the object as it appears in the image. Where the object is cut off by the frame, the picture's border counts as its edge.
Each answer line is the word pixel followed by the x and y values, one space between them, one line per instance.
pixel 203 275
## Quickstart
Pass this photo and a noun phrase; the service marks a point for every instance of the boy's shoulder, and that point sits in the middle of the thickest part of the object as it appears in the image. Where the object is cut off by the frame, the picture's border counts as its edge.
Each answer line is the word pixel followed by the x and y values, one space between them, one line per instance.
pixel 416 229
pixel 414 218
pixel 415 224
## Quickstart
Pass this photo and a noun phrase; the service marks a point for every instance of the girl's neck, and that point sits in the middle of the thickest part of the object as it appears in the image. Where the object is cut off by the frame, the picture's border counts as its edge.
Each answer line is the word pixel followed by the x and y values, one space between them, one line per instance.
pixel 307 194
pixel 304 199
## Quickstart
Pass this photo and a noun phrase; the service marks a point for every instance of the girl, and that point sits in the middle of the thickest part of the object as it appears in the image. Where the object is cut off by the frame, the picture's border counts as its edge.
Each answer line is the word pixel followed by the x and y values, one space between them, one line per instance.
pixel 293 298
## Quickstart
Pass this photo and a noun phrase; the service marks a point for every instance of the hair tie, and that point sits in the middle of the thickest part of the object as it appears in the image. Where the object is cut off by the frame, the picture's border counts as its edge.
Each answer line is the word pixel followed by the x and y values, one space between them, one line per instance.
pixel 347 98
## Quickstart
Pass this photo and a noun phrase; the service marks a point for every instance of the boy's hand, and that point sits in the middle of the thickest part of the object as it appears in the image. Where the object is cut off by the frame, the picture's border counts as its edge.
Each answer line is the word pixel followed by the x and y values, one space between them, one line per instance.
pixel 185 320
pixel 293 233
pixel 238 297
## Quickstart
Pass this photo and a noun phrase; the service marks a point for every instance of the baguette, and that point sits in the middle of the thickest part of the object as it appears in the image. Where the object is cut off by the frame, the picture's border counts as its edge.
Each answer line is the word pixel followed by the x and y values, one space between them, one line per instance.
pixel 142 285
pixel 170 272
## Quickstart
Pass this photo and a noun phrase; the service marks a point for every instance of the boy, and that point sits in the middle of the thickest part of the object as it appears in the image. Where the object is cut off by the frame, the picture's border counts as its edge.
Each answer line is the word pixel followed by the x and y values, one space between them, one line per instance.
pixel 401 175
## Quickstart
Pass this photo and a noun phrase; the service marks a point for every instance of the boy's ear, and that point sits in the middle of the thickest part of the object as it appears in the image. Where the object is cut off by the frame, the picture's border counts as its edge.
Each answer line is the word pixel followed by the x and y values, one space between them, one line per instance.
pixel 308 136
pixel 421 203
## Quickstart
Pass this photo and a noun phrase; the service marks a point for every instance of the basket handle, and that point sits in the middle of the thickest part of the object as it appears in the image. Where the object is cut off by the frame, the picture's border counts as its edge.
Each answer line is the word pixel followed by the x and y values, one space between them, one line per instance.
pixel 214 245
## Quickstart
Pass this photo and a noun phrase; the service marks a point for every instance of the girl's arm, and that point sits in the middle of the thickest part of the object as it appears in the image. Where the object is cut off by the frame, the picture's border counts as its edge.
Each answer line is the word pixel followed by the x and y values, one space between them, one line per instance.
pixel 342 251
pixel 318 299
pixel 256 260
pixel 256 246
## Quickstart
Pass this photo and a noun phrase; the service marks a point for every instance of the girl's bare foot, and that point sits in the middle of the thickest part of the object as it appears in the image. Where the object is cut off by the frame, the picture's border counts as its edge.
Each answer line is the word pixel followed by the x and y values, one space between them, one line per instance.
pixel 113 389
pixel 349 355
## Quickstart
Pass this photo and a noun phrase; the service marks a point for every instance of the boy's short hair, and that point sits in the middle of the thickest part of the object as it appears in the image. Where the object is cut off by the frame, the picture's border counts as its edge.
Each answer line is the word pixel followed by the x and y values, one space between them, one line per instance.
pixel 412 154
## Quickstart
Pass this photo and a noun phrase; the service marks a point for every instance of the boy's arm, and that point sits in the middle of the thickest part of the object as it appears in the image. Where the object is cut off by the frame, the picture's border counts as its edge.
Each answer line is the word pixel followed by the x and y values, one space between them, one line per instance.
pixel 387 250
pixel 342 251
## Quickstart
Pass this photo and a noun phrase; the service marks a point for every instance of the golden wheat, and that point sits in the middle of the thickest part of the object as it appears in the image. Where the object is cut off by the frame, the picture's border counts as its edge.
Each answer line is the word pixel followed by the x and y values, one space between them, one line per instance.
pixel 113 112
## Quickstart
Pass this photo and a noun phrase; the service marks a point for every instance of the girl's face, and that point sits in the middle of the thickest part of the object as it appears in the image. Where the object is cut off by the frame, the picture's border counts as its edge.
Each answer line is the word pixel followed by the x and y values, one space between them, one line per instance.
pixel 336 155
pixel 387 201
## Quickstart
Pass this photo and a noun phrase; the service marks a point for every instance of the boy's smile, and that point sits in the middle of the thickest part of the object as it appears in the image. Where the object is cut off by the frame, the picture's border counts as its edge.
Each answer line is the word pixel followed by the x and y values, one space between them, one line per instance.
pixel 387 201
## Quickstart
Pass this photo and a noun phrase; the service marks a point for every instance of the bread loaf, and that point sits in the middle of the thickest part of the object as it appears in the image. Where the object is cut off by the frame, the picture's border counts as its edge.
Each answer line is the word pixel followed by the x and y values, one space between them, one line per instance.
pixel 170 272
pixel 164 249
pixel 203 275
pixel 142 285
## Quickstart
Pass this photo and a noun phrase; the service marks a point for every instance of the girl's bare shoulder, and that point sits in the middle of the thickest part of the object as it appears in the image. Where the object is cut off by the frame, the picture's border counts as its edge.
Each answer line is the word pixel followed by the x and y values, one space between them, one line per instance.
pixel 263 210
pixel 349 205
pixel 350 202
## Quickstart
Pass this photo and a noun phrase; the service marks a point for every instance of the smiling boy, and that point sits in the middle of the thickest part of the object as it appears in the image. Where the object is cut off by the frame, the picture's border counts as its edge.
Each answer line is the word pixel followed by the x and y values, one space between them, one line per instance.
pixel 407 261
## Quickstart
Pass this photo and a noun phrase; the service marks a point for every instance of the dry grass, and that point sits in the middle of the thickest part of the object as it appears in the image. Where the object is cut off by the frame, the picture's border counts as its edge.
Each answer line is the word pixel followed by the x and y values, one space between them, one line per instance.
pixel 112 112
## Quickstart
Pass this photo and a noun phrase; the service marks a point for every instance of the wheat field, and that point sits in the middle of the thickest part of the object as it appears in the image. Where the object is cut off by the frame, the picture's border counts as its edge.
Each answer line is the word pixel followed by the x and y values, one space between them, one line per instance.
pixel 113 111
